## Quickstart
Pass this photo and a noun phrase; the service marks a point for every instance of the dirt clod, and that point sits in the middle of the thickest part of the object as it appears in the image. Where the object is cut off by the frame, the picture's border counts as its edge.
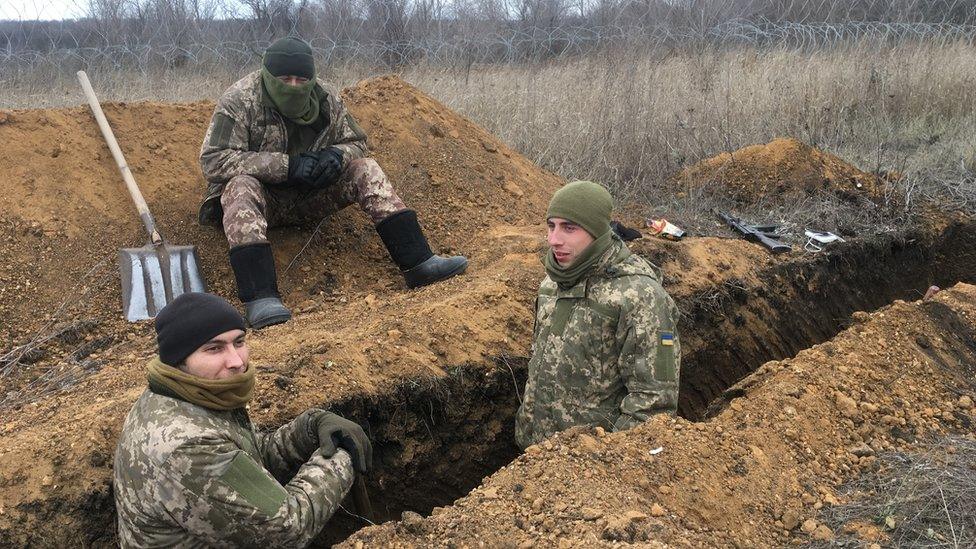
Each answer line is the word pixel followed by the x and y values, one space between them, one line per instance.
pixel 822 533
pixel 589 513
pixel 781 169
pixel 411 521
pixel 790 519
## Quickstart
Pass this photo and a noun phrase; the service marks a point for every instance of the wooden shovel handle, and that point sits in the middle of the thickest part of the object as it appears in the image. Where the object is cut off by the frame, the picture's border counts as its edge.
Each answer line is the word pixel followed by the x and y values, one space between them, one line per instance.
pixel 113 145
pixel 361 497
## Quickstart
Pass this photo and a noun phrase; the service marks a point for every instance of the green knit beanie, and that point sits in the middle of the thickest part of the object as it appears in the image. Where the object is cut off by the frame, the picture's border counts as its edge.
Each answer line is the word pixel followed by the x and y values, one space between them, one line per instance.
pixel 585 203
pixel 290 57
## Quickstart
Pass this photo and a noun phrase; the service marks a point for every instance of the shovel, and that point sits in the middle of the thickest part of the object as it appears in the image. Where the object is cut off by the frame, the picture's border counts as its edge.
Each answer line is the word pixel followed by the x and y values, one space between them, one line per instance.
pixel 158 272
pixel 361 498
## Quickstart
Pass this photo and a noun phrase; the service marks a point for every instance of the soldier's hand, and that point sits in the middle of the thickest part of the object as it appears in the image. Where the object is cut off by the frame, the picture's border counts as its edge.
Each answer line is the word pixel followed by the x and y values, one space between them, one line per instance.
pixel 329 168
pixel 302 169
pixel 336 432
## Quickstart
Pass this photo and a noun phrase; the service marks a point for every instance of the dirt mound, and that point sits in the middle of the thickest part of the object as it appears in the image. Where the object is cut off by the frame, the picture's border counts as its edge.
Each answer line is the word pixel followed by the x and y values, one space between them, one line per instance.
pixel 780 170
pixel 67 213
pixel 357 331
pixel 433 373
pixel 755 475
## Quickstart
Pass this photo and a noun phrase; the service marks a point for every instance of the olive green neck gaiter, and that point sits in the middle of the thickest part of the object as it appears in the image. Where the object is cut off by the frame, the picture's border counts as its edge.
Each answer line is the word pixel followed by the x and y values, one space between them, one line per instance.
pixel 567 277
pixel 216 394
pixel 300 104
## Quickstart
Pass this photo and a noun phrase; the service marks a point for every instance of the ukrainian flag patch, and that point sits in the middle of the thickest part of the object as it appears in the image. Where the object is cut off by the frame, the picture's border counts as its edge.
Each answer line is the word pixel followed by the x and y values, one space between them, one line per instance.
pixel 667 339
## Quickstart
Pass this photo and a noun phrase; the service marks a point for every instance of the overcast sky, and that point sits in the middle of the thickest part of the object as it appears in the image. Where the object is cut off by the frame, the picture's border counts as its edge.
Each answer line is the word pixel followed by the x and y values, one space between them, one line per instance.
pixel 40 9
pixel 24 10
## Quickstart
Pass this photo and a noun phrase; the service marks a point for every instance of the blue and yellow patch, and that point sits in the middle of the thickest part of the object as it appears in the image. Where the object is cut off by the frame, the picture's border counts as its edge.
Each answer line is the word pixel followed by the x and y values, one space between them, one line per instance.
pixel 667 339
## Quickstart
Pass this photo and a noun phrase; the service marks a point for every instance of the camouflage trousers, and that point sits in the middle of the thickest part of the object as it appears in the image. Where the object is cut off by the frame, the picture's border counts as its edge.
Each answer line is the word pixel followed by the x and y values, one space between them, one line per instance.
pixel 250 207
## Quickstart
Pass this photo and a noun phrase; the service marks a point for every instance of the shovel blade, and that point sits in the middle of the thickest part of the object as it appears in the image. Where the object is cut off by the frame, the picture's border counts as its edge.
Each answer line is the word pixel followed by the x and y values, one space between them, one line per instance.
pixel 152 276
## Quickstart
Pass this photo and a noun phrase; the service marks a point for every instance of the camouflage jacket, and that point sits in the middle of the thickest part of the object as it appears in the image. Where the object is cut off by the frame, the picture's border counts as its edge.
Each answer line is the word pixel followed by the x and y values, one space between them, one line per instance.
pixel 248 136
pixel 187 476
pixel 605 352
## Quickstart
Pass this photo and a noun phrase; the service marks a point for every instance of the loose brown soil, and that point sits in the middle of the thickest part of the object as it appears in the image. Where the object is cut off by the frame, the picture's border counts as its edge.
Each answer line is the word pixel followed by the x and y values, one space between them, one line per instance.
pixel 433 373
pixel 782 169
pixel 753 476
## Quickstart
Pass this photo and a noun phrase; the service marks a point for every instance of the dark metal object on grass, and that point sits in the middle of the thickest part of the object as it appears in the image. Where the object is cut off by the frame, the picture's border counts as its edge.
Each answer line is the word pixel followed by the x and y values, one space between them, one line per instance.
pixel 760 234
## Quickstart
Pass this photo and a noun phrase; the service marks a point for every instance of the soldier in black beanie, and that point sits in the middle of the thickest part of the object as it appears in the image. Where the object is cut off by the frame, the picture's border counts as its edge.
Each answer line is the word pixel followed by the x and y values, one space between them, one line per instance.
pixel 190 469
pixel 191 320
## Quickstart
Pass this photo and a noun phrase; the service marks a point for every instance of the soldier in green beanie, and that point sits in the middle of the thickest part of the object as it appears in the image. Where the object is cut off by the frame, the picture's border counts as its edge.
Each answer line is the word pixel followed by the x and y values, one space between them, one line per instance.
pixel 281 149
pixel 605 350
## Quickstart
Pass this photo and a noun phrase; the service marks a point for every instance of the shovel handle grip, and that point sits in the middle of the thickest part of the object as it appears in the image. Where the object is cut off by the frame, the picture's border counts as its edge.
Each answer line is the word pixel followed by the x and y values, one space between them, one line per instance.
pixel 113 145
pixel 361 497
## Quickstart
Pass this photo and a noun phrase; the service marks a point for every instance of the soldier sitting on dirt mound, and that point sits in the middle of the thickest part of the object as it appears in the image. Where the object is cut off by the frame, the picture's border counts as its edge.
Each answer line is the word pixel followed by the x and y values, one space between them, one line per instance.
pixel 189 469
pixel 281 147
pixel 605 351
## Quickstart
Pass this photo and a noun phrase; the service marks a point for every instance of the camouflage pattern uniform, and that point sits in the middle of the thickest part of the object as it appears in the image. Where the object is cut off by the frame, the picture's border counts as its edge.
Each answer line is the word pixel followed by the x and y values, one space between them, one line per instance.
pixel 188 476
pixel 246 144
pixel 605 352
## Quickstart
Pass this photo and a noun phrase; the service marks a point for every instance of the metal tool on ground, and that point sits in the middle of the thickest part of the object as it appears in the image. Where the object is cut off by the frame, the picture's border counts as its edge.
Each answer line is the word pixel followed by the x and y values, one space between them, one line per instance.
pixel 817 240
pixel 760 234
pixel 158 272
pixel 361 498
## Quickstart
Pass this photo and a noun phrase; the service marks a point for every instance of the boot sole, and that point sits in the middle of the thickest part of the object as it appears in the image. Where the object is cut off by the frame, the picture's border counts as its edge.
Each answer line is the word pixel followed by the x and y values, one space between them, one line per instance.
pixel 450 274
pixel 270 321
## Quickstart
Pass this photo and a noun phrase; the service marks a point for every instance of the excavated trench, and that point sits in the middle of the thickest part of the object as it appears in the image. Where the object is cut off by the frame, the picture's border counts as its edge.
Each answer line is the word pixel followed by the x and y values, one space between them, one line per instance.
pixel 434 441
pixel 804 303
pixel 433 444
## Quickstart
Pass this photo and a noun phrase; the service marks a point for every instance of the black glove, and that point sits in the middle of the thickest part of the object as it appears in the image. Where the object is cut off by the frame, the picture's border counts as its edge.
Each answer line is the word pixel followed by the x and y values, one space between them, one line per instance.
pixel 329 169
pixel 335 432
pixel 302 169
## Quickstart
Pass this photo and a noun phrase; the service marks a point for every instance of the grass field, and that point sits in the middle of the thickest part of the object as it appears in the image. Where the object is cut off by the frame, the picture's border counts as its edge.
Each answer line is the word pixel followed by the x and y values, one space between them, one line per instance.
pixel 633 118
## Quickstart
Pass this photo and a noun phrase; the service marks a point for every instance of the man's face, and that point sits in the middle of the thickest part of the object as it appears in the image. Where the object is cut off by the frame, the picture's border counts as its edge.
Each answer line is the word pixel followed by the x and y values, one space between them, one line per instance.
pixel 567 240
pixel 292 80
pixel 223 356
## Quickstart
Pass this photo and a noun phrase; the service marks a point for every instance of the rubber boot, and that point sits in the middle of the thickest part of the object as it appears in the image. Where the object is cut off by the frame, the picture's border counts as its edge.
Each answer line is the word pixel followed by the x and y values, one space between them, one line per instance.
pixel 403 238
pixel 257 285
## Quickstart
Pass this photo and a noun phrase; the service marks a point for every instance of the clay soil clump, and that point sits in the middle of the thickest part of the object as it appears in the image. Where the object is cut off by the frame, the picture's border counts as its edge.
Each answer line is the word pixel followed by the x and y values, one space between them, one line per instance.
pixel 781 170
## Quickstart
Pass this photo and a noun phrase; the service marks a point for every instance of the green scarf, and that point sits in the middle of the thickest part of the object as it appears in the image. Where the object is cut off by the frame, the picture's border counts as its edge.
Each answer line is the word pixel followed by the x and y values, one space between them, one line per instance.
pixel 216 394
pixel 300 104
pixel 567 277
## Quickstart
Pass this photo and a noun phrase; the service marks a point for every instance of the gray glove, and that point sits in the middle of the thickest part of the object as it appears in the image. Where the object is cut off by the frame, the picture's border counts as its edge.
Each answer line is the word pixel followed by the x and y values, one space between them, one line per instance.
pixel 336 432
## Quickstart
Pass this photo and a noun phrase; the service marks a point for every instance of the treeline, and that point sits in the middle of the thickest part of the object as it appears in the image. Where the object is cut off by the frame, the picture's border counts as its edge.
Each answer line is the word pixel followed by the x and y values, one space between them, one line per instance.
pixel 402 29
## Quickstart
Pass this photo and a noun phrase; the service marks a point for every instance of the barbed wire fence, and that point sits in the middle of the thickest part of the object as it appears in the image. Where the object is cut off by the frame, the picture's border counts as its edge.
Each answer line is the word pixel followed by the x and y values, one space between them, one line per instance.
pixel 150 35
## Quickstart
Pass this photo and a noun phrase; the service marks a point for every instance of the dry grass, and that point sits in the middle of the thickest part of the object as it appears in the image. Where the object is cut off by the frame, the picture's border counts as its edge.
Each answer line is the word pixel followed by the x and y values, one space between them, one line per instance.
pixel 633 118
pixel 57 86
pixel 918 500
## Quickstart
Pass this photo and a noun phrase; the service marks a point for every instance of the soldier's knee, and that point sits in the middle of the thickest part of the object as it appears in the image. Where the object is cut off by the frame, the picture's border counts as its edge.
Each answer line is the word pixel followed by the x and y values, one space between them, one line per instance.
pixel 364 166
pixel 240 187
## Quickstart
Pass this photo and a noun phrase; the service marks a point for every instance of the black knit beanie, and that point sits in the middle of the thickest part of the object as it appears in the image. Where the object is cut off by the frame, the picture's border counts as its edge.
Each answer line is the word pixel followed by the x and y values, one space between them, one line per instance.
pixel 290 57
pixel 191 320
